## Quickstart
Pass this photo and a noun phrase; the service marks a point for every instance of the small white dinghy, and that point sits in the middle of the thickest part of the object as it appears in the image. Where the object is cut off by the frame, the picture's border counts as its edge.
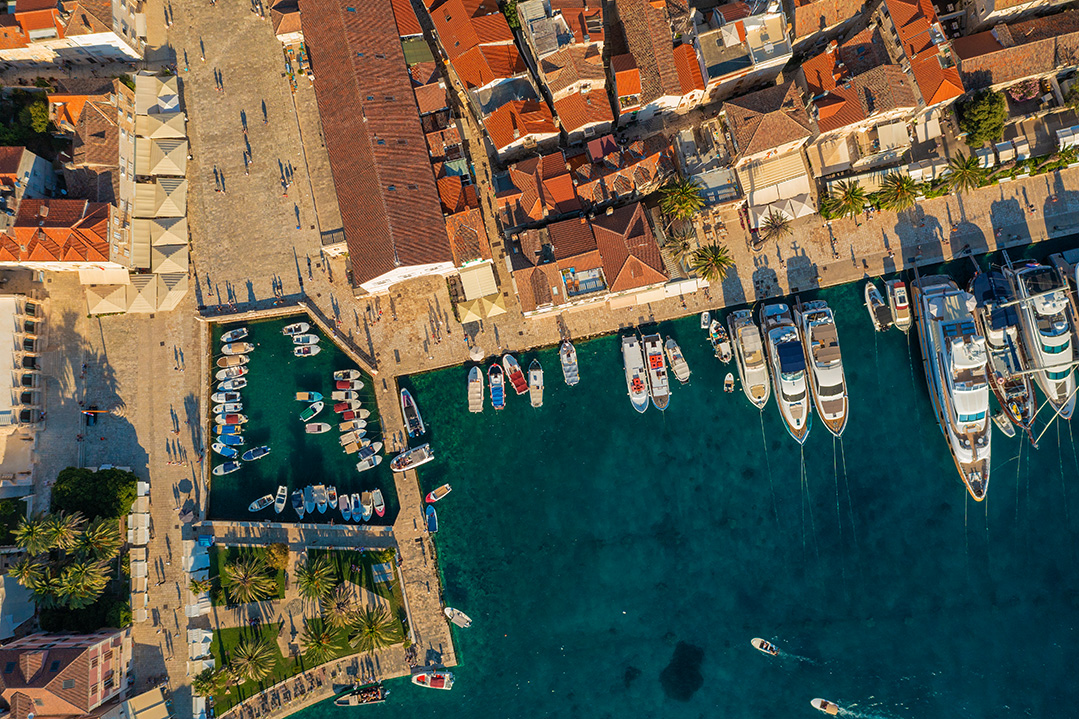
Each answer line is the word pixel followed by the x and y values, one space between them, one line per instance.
pixel 296 328
pixel 457 617
pixel 706 319
pixel 282 498
pixel 728 382
pixel 678 362
pixel 535 383
pixel 261 503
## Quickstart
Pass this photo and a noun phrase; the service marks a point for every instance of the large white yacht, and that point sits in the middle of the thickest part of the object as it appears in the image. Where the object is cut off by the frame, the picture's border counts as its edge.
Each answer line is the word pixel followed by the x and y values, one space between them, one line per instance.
pixel 955 359
pixel 788 365
pixel 636 379
pixel 656 367
pixel 749 353
pixel 826 379
pixel 1047 332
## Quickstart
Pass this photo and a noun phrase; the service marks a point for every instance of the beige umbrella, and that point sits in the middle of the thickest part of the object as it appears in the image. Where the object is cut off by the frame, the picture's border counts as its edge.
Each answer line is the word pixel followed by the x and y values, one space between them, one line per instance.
pixel 106 299
pixel 493 305
pixel 471 311
pixel 476 353
pixel 169 259
pixel 142 293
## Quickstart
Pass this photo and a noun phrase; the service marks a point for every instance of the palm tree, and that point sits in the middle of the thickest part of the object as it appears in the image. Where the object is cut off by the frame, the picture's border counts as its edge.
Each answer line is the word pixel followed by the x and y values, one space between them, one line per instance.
pixel 372 629
pixel 32 536
pixel 253 659
pixel 247 581
pixel 100 540
pixel 964 173
pixel 200 586
pixel 711 262
pixel 850 198
pixel 63 529
pixel 316 578
pixel 681 199
pixel 679 247
pixel 207 682
pixel 81 583
pixel 27 572
pixel 320 642
pixel 898 192
pixel 775 225
pixel 337 608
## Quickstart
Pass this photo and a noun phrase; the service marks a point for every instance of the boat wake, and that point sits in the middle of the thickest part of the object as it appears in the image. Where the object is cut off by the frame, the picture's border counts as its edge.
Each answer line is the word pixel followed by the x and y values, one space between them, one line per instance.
pixel 807 507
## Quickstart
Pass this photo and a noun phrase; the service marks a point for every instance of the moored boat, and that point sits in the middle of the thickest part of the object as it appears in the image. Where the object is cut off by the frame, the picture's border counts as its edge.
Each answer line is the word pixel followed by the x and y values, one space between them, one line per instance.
pixel 567 355
pixel 297 503
pixel 321 497
pixel 899 304
pixel 879 313
pixel 231 385
pixel 432 518
pixel 331 496
pixel 379 502
pixel 438 493
pixel 296 328
pixel 237 348
pixel 233 361
pixel 220 397
pixel 457 617
pixel 281 499
pixel 306 351
pixel 728 383
pixel 234 335
pixel 411 412
pixel 1000 419
pixel 677 360
pixel 749 353
pixel 224 450
pixel 346 374
pixel 346 396
pixel 955 359
pixel 827 381
pixel 659 386
pixel 255 453
pixel 346 384
pixel 636 381
pixel 228 407
pixel 765 646
pixel 825 706
pixel 352 425
pixel 367 505
pixel 788 364
pixel 305 339
pixel 498 387
pixel 433 678
pixel 308 396
pixel 309 499
pixel 230 373
pixel 228 468
pixel 227 429
pixel 232 440
pixel 535 383
pixel 229 419
pixel 349 405
pixel 260 504
pixel 412 458
pixel 706 319
pixel 311 411
pixel 317 428
pixel 721 341
pixel 475 390
pixel 352 436
pixel 373 693
pixel 514 373
pixel 357 509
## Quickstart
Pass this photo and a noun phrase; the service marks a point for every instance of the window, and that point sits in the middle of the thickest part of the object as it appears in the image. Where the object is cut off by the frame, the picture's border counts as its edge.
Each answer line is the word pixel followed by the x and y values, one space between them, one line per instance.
pixel 107 684
pixel 55 666
pixel 1058 376
pixel 108 655
pixel 392 188
pixel 380 141
pixel 976 417
pixel 69 684
pixel 93 662
pixel 1050 350
pixel 9 667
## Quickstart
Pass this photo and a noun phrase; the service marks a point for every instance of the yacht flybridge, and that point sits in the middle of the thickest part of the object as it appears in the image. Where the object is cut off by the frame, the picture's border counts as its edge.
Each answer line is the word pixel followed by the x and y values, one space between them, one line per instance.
pixel 826 377
pixel 788 364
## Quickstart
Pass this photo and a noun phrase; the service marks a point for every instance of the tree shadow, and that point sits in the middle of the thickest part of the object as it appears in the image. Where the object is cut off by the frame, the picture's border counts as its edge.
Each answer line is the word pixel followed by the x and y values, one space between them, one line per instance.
pixel 1011 224
pixel 731 290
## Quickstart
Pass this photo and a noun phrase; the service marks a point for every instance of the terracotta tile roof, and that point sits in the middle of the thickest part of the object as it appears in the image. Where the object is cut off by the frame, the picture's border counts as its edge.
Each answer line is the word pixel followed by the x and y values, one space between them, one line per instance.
pixel 492 28
pixel 454 27
pixel 59 230
pixel 600 147
pixel 10 159
pixel 584 19
pixel 405 16
pixel 570 238
pixel 631 257
pixel 689 69
pixel 518 119
pixel 572 64
pixel 82 21
pixel 285 17
pixel 861 52
pixel 534 287
pixel 88 17
pixel 455 195
pixel 11 33
pixel 468 236
pixel 390 208
pixel 539 187
pixel 813 16
pixel 648 36
pixel 913 20
pixel 441 143
pixel 424 73
pixel 767 118
pixel 618 173
pixel 1013 52
pixel 484 64
pixel 577 109
pixel 431 98
pixel 627 79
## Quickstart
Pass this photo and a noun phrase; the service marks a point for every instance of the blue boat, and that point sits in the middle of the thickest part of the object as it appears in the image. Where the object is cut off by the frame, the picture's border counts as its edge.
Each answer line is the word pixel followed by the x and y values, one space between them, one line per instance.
pixel 224 450
pixel 232 439
pixel 498 386
pixel 432 519
pixel 227 429
pixel 256 453
pixel 309 499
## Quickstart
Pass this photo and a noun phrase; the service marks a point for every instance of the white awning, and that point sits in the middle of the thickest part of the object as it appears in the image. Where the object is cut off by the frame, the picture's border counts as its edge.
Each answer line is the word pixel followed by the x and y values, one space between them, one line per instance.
pixel 169 259
pixel 477 280
pixel 893 136
pixel 103 276
pixel 142 294
pixel 106 299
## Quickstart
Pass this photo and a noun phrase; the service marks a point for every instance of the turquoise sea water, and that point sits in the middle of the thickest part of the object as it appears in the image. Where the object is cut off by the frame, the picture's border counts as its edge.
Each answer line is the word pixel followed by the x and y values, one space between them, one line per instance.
pixel 296 458
pixel 617 565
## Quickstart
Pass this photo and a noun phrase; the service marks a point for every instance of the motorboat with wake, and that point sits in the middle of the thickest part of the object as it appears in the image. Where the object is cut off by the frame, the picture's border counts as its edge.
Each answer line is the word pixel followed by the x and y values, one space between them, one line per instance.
pixel 678 362
pixel 825 706
pixel 659 385
pixel 498 386
pixel 749 353
pixel 955 360
pixel 827 380
pixel 475 390
pixel 721 341
pixel 515 374
pixel 412 458
pixel 636 382
pixel 535 383
pixel 567 355
pixel 899 304
pixel 765 646
pixel 879 313
pixel 788 364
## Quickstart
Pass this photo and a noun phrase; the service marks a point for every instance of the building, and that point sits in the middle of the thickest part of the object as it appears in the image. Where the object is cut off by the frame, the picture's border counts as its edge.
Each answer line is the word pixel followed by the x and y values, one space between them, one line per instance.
pixel 48 676
pixel 285 19
pixel 71 95
pixel 1042 47
pixel 577 81
pixel 535 190
pixel 815 21
pixel 102 164
pixel 22 174
pixel 915 40
pixel 608 172
pixel 740 49
pixel 983 14
pixel 390 209
pixel 23 338
pixel 705 159
pixel 76 32
pixel 547 26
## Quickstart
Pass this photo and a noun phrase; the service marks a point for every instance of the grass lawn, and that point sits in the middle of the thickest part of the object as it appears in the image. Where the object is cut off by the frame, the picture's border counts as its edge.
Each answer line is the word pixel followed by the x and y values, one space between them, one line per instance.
pixel 355 567
pixel 220 556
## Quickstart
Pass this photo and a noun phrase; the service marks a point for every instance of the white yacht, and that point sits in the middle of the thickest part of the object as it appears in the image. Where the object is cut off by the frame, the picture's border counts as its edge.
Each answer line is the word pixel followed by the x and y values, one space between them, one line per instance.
pixel 788 365
pixel 826 378
pixel 955 358
pixel 899 304
pixel 659 383
pixel 749 352
pixel 636 379
pixel 1047 332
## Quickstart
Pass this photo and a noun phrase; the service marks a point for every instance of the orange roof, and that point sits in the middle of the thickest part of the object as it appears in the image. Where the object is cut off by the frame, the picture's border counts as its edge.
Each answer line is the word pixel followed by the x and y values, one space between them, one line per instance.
pixel 492 28
pixel 68 108
pixel 689 68
pixel 627 78
pixel 484 64
pixel 39 20
pixel 11 33
pixel 913 20
pixel 518 119
pixel 468 236
pixel 70 231
pixel 577 110
pixel 407 22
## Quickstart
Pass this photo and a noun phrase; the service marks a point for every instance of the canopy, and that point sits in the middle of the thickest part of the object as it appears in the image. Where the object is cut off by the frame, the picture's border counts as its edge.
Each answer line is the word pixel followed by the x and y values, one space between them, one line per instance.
pixel 478 280
pixel 142 294
pixel 106 299
pixel 103 276
pixel 470 311
pixel 171 289
pixel 169 259
pixel 476 310
pixel 791 357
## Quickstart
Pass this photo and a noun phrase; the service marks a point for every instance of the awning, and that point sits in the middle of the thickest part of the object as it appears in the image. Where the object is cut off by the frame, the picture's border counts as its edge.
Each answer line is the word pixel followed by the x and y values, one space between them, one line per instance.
pixel 476 310
pixel 103 276
pixel 493 305
pixel 1005 151
pixel 142 294
pixel 106 299
pixel 477 280
pixel 171 288
pixel 892 136
pixel 169 259
pixel 469 311
pixel 774 179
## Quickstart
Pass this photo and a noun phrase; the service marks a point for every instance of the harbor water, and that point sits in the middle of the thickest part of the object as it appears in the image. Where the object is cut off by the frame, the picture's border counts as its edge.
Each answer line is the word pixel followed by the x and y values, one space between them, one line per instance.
pixel 617 564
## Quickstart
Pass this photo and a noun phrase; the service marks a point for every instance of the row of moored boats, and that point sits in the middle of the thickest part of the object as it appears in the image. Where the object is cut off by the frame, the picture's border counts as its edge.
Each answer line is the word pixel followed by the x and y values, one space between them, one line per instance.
pixel 509 371
pixel 228 405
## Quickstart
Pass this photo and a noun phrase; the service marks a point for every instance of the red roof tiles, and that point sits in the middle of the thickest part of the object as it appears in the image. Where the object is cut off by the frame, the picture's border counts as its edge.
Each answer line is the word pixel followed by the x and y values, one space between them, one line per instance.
pixel 59 230
pixel 540 187
pixel 689 69
pixel 767 118
pixel 580 109
pixel 405 16
pixel 648 36
pixel 913 20
pixel 517 119
pixel 631 257
pixel 1019 50
pixel 468 236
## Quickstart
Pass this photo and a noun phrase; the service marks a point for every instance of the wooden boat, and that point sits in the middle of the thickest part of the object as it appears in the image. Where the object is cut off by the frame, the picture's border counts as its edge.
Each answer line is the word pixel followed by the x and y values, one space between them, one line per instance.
pixel 228 468
pixel 656 366
pixel 233 361
pixel 567 355
pixel 306 351
pixel 346 374
pixel 367 506
pixel 706 319
pixel 281 499
pixel 317 428
pixel 351 425
pixel 296 328
pixel 678 362
pixel 320 498
pixel 345 505
pixel 347 406
pixel 220 397
pixel 234 335
pixel 226 429
pixel 514 373
pixel 728 382
pixel 412 458
pixel 433 678
pixel 305 340
pixel 535 383
pixel 413 420
pixel 224 450
pixel 380 503
pixel 879 313
pixel 312 410
pixel 355 445
pixel 498 387
pixel 357 510
pixel 1000 419
pixel 366 694
pixel 348 384
pixel 231 385
pixel 432 518
pixel 765 646
pixel 345 396
pixel 308 396
pixel 309 499
pixel 255 453
pixel 368 462
pixel 297 502
pixel 237 348
pixel 438 493
pixel 229 419
pixel 352 437
pixel 899 303
pixel 232 440
pixel 457 617
pixel 228 407
pixel 354 414
pixel 825 706
pixel 475 390
pixel 331 496
pixel 721 341
pixel 260 504
pixel 230 373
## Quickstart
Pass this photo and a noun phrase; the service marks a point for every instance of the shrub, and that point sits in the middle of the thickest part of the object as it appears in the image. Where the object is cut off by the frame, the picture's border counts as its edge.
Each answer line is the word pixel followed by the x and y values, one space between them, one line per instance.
pixel 105 493
pixel 1023 91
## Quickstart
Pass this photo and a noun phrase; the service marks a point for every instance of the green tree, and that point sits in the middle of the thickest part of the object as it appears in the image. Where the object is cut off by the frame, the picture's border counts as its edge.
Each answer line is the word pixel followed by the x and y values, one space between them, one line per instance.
pixel 372 628
pixel 775 225
pixel 33 536
pixel 897 192
pixel 277 556
pixel 681 199
pixel 964 173
pixel 35 116
pixel 509 9
pixel 711 262
pixel 247 581
pixel 316 578
pixel 200 586
pixel 209 681
pixel 64 529
pixel 105 493
pixel 337 607
pixel 850 199
pixel 983 117
pixel 81 583
pixel 101 539
pixel 27 571
pixel 679 247
pixel 320 642
pixel 253 659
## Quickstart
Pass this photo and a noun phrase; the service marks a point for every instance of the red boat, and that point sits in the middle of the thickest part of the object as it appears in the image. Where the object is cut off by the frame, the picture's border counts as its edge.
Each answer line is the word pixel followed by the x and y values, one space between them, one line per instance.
pixel 433 679
pixel 346 416
pixel 517 377
pixel 348 384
